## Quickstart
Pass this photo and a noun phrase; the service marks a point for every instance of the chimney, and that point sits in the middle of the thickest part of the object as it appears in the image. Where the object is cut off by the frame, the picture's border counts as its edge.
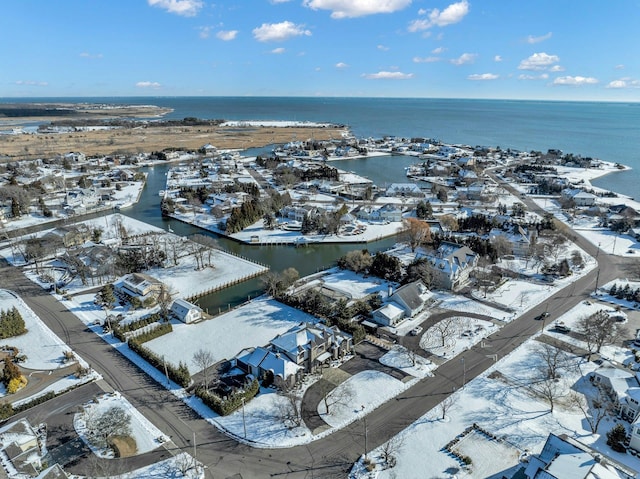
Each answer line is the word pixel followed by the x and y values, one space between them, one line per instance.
pixel 390 290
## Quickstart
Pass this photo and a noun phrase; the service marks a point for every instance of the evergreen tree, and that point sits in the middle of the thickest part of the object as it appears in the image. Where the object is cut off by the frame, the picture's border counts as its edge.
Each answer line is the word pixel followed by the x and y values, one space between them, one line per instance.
pixel 616 438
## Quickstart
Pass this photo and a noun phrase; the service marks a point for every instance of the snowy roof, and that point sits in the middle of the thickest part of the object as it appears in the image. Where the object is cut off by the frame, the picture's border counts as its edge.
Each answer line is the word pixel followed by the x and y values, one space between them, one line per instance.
pixel 412 294
pixel 390 310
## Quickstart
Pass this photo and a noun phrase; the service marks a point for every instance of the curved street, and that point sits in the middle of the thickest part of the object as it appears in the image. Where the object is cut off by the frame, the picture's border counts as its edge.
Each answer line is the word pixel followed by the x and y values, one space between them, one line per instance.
pixel 331 456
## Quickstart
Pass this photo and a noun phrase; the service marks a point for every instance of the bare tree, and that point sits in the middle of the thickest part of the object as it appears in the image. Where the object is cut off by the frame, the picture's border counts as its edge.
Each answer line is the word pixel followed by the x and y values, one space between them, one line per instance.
pixel 410 354
pixel 115 421
pixel 446 404
pixel 445 329
pixel 595 410
pixel 549 390
pixel 390 449
pixel 341 395
pixel 204 359
pixel 416 232
pixel 600 329
pixel 166 295
pixel 552 360
pixel 289 409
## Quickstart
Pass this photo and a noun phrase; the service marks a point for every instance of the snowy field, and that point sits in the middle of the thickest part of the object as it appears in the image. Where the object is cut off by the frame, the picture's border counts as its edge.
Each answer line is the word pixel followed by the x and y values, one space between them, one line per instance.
pixel 354 285
pixel 458 333
pixel 501 401
pixel 254 324
pixel 402 359
pixel 146 435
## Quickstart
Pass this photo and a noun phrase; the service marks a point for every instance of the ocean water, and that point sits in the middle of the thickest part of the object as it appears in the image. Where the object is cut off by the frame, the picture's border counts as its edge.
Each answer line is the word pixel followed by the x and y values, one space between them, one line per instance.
pixel 605 130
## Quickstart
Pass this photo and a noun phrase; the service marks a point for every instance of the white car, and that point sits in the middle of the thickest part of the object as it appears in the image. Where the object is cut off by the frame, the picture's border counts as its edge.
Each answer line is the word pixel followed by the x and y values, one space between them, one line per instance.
pixel 417 330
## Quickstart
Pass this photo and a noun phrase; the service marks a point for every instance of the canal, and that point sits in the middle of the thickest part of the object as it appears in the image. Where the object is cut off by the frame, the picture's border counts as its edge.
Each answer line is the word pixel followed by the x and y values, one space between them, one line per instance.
pixel 306 260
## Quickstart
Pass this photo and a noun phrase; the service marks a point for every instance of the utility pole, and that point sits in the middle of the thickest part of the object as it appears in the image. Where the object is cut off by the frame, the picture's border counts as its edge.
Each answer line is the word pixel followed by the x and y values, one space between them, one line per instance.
pixel 364 418
pixel 244 424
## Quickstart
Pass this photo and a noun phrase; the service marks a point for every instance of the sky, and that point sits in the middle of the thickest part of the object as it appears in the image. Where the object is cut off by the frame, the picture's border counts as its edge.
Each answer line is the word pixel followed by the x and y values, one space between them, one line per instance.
pixel 542 49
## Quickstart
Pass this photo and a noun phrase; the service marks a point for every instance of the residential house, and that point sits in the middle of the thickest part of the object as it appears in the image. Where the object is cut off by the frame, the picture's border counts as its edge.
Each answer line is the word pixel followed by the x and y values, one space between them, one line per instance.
pixel 303 348
pixel 519 240
pixel 622 387
pixel 579 197
pixel 20 443
pixel 406 302
pixel 450 265
pixel 185 311
pixel 387 212
pixel 261 362
pixel 404 189
pixel 563 457
pixel 71 235
pixel 139 285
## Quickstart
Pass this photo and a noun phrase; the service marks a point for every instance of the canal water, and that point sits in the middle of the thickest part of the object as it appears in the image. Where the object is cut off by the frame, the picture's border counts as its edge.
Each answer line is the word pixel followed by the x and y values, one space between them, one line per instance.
pixel 306 260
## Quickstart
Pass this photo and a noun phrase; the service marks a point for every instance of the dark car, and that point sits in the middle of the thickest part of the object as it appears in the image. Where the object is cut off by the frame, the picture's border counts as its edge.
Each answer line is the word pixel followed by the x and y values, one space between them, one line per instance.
pixel 542 316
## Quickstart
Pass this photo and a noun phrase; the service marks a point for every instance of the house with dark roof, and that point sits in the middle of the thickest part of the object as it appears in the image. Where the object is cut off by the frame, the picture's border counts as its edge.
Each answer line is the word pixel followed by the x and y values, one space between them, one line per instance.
pixel 406 302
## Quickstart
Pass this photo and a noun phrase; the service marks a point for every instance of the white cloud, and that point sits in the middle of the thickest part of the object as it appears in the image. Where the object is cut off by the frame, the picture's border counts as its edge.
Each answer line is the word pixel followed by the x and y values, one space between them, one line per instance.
pixel 278 32
pixel 426 59
pixel 382 48
pixel 32 83
pixel 622 83
pixel 497 58
pixel 619 67
pixel 483 76
pixel 464 58
pixel 148 84
pixel 454 13
pixel 356 8
pixel 575 81
pixel 277 51
pixel 341 65
pixel 542 76
pixel 227 35
pixel 186 8
pixel 538 61
pixel 556 68
pixel 91 55
pixel 387 76
pixel 531 39
pixel 204 32
pixel 438 51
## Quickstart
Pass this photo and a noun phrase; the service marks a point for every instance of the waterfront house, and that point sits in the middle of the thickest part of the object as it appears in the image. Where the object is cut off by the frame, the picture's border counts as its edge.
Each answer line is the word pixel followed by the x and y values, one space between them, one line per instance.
pixel 138 285
pixel 406 302
pixel 450 265
pixel 185 311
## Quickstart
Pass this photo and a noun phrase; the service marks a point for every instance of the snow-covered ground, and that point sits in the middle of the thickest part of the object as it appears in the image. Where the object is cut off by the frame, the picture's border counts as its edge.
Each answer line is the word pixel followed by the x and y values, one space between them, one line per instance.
pixel 458 333
pixel 146 435
pixel 503 401
pixel 254 324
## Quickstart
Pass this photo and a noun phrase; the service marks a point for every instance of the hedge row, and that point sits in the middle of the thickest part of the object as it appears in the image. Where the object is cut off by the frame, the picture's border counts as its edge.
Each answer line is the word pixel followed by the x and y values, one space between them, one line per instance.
pixel 161 330
pixel 179 375
pixel 233 402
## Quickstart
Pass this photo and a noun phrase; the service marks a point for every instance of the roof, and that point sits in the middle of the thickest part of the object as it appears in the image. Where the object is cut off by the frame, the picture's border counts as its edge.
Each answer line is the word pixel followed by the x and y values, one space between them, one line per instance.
pixel 413 294
pixel 390 310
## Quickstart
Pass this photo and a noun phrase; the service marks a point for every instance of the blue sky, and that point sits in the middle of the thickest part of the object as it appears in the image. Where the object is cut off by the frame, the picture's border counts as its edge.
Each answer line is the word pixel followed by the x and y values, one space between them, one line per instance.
pixel 513 49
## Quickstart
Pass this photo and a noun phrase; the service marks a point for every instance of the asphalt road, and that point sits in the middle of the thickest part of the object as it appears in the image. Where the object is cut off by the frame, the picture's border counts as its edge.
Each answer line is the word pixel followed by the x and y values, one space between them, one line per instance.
pixel 325 458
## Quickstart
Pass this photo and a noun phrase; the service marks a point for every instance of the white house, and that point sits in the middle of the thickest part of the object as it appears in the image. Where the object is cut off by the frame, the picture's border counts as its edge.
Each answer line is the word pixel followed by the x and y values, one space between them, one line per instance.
pixel 563 457
pixel 406 302
pixel 185 311
pixel 450 265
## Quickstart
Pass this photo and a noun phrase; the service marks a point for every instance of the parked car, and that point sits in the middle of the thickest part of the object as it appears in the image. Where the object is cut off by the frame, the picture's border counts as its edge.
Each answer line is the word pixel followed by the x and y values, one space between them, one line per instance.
pixel 562 328
pixel 417 330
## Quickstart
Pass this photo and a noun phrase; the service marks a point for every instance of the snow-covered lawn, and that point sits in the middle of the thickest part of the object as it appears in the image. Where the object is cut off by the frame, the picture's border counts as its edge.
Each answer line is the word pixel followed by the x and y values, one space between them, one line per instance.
pixel 358 395
pixel 355 285
pixel 145 434
pixel 44 350
pixel 458 333
pixel 454 302
pixel 400 358
pixel 502 402
pixel 253 324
